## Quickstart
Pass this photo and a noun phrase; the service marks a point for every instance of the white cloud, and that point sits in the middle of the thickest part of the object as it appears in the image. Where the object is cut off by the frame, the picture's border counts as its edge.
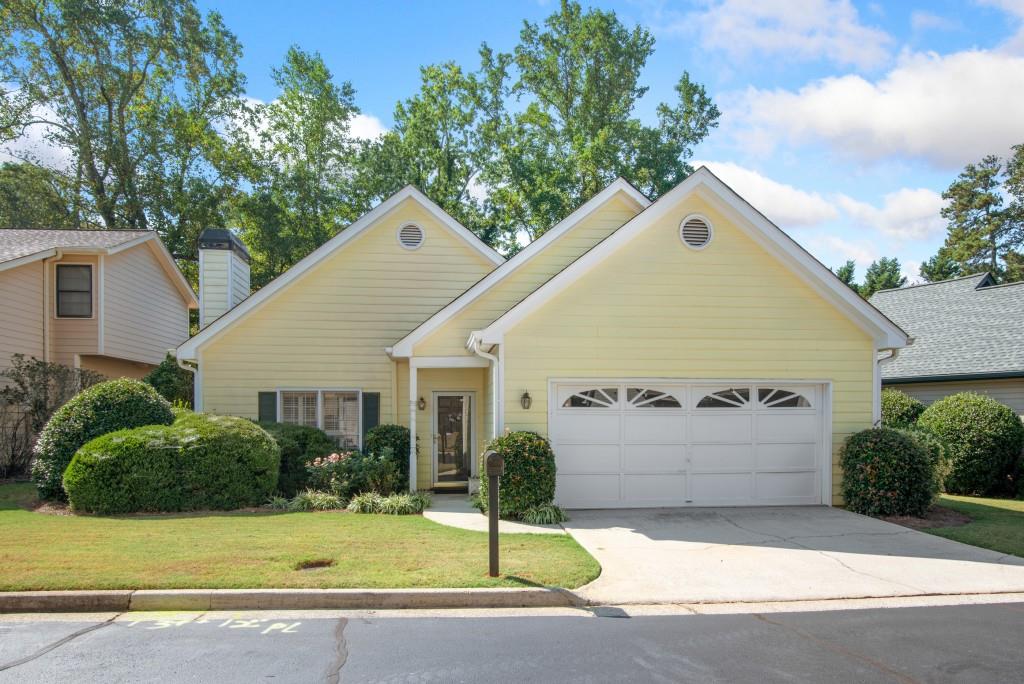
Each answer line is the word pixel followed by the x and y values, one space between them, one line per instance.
pixel 863 253
pixel 784 204
pixel 36 145
pixel 947 110
pixel 926 21
pixel 908 214
pixel 366 127
pixel 792 29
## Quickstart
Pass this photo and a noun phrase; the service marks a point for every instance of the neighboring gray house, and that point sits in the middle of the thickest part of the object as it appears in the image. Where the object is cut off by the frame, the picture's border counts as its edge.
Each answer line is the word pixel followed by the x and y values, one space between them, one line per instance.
pixel 968 336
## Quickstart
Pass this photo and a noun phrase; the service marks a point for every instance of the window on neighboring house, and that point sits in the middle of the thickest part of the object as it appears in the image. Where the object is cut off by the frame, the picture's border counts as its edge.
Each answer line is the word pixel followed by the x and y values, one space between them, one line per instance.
pixel 74 291
pixel 336 413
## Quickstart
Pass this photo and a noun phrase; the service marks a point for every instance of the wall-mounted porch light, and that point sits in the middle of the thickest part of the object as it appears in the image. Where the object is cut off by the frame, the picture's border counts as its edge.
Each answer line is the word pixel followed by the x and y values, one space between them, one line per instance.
pixel 422 403
pixel 526 401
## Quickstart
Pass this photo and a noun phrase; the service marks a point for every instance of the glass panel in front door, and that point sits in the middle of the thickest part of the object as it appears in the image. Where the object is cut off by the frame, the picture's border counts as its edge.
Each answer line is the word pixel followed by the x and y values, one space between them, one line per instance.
pixel 452 438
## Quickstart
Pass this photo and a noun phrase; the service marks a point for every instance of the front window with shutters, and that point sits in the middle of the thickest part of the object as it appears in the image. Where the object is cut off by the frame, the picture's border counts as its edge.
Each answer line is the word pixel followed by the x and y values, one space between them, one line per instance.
pixel 336 412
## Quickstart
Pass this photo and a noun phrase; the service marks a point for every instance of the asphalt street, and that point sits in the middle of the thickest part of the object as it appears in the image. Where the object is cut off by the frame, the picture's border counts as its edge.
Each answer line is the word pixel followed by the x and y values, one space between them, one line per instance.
pixel 966 643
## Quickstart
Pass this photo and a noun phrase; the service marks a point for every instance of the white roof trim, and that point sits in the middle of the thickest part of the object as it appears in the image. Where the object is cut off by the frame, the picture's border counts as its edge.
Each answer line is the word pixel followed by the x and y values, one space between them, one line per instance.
pixel 885 333
pixel 189 348
pixel 404 347
pixel 159 249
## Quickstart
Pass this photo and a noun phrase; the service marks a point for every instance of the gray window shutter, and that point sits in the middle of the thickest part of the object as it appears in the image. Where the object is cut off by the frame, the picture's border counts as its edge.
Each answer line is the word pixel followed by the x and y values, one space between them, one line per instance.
pixel 371 412
pixel 268 407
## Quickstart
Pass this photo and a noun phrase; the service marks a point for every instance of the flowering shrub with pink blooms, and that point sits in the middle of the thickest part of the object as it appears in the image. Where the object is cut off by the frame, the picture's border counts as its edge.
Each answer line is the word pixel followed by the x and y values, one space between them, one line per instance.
pixel 332 473
pixel 350 472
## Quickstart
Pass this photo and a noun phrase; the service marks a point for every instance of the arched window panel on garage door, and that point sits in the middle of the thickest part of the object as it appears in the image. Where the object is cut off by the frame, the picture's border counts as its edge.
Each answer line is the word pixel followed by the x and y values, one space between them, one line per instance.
pixel 647 397
pixel 783 397
pixel 726 398
pixel 591 397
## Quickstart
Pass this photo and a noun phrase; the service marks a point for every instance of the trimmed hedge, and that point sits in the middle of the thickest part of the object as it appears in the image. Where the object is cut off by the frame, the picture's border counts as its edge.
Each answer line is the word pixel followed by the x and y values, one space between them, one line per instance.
pixel 887 472
pixel 529 479
pixel 299 444
pixel 200 462
pixel 899 409
pixel 394 437
pixel 984 439
pixel 106 407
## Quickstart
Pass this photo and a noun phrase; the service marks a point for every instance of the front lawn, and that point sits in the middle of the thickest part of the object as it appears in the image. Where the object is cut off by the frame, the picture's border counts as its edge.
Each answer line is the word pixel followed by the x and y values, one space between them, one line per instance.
pixel 263 550
pixel 996 524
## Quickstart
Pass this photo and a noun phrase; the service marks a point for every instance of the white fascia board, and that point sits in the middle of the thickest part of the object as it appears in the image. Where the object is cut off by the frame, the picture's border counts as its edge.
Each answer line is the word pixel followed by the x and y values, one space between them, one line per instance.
pixel 882 330
pixel 128 244
pixel 27 259
pixel 188 349
pixel 448 362
pixel 404 347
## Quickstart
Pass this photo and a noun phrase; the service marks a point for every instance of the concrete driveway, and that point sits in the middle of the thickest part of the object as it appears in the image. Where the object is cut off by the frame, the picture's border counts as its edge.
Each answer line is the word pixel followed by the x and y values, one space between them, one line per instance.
pixel 776 554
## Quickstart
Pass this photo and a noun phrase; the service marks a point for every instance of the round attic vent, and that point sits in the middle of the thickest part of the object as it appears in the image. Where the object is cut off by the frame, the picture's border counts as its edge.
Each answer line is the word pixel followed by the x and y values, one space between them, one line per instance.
pixel 695 231
pixel 410 236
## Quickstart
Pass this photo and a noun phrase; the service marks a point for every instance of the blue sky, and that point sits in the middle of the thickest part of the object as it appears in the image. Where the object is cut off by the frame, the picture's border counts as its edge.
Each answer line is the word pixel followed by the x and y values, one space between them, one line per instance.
pixel 842 121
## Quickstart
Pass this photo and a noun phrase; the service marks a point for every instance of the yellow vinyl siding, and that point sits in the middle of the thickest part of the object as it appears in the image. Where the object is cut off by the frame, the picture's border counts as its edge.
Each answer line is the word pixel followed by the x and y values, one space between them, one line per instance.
pixel 329 328
pixel 144 314
pixel 430 380
pixel 451 338
pixel 1006 391
pixel 21 316
pixel 656 308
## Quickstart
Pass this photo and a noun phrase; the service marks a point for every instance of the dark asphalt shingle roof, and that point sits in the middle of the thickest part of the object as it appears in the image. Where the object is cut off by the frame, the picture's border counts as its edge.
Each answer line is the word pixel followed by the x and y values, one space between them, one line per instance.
pixel 958 328
pixel 16 243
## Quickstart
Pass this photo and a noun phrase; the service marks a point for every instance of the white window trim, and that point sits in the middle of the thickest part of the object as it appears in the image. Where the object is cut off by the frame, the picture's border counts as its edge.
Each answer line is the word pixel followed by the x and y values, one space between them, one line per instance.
pixel 94 294
pixel 320 391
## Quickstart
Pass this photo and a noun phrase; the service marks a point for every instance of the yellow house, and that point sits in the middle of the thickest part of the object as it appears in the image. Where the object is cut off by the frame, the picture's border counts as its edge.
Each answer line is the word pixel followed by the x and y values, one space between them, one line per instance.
pixel 680 352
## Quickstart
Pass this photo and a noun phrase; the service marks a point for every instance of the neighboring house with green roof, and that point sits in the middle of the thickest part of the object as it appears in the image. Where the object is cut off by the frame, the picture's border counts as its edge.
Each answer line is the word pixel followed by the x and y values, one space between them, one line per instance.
pixel 968 336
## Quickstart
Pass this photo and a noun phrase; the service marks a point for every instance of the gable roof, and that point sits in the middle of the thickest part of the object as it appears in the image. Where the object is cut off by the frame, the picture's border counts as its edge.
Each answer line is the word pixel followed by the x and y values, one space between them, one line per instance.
pixel 962 328
pixel 769 236
pixel 19 247
pixel 404 347
pixel 188 349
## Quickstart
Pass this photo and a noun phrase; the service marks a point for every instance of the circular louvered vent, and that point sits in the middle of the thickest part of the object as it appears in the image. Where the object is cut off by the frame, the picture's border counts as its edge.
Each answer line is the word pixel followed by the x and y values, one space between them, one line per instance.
pixel 410 236
pixel 695 231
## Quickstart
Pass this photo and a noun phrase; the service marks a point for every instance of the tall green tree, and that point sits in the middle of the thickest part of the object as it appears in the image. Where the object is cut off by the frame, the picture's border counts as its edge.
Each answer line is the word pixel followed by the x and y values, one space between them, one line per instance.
pixel 847 274
pixel 883 274
pixel 576 81
pixel 940 267
pixel 34 197
pixel 985 211
pixel 300 164
pixel 133 90
pixel 438 143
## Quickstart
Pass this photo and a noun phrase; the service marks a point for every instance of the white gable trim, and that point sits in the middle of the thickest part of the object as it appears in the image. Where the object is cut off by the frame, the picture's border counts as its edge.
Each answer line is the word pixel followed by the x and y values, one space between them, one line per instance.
pixel 885 333
pixel 190 348
pixel 404 347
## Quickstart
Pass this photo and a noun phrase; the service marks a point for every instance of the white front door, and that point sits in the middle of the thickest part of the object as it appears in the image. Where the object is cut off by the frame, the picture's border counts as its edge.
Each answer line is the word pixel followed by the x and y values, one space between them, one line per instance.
pixel 452 438
pixel 642 444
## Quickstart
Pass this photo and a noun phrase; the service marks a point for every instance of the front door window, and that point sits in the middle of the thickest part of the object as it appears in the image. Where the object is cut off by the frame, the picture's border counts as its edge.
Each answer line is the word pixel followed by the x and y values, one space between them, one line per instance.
pixel 452 438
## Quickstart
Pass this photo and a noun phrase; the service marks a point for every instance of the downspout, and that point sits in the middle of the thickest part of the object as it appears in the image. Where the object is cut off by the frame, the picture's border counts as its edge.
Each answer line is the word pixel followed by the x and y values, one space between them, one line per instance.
pixel 495 383
pixel 877 389
pixel 191 368
pixel 58 254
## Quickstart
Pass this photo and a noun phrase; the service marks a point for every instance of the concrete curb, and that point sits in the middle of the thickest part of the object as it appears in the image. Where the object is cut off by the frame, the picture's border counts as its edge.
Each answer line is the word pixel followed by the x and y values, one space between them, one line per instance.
pixel 280 599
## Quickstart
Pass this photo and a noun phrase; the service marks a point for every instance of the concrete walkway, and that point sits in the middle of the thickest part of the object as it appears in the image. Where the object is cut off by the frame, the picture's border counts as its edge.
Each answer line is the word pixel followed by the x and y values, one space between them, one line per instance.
pixel 454 510
pixel 776 554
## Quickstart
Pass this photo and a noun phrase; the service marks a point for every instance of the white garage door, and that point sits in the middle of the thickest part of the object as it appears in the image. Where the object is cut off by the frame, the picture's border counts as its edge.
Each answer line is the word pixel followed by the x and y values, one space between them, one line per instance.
pixel 635 444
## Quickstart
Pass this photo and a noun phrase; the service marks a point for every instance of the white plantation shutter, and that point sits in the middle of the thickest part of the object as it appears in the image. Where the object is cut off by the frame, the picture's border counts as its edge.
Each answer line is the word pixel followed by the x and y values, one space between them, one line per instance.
pixel 299 408
pixel 341 417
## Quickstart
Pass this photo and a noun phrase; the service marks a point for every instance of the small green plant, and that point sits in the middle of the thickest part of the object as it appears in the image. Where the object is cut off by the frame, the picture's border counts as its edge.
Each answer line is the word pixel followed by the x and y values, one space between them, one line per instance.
pixel 899 409
pixel 421 500
pixel 313 500
pixel 174 383
pixel 403 504
pixel 367 502
pixel 548 514
pixel 277 503
pixel 395 438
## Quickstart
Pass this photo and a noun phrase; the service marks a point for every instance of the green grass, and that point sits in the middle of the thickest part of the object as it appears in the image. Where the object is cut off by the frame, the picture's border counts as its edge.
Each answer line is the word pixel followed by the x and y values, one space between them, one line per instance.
pixel 996 524
pixel 262 550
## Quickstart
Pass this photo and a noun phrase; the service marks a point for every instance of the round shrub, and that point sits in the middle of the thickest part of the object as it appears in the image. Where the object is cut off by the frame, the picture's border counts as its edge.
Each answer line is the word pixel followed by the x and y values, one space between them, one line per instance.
pixel 102 408
pixel 529 479
pixel 887 472
pixel 395 437
pixel 984 439
pixel 899 409
pixel 300 445
pixel 174 383
pixel 200 462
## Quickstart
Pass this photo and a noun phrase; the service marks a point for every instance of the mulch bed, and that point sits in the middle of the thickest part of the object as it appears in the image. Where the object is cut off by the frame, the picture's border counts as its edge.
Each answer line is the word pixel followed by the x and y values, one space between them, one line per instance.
pixel 937 516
